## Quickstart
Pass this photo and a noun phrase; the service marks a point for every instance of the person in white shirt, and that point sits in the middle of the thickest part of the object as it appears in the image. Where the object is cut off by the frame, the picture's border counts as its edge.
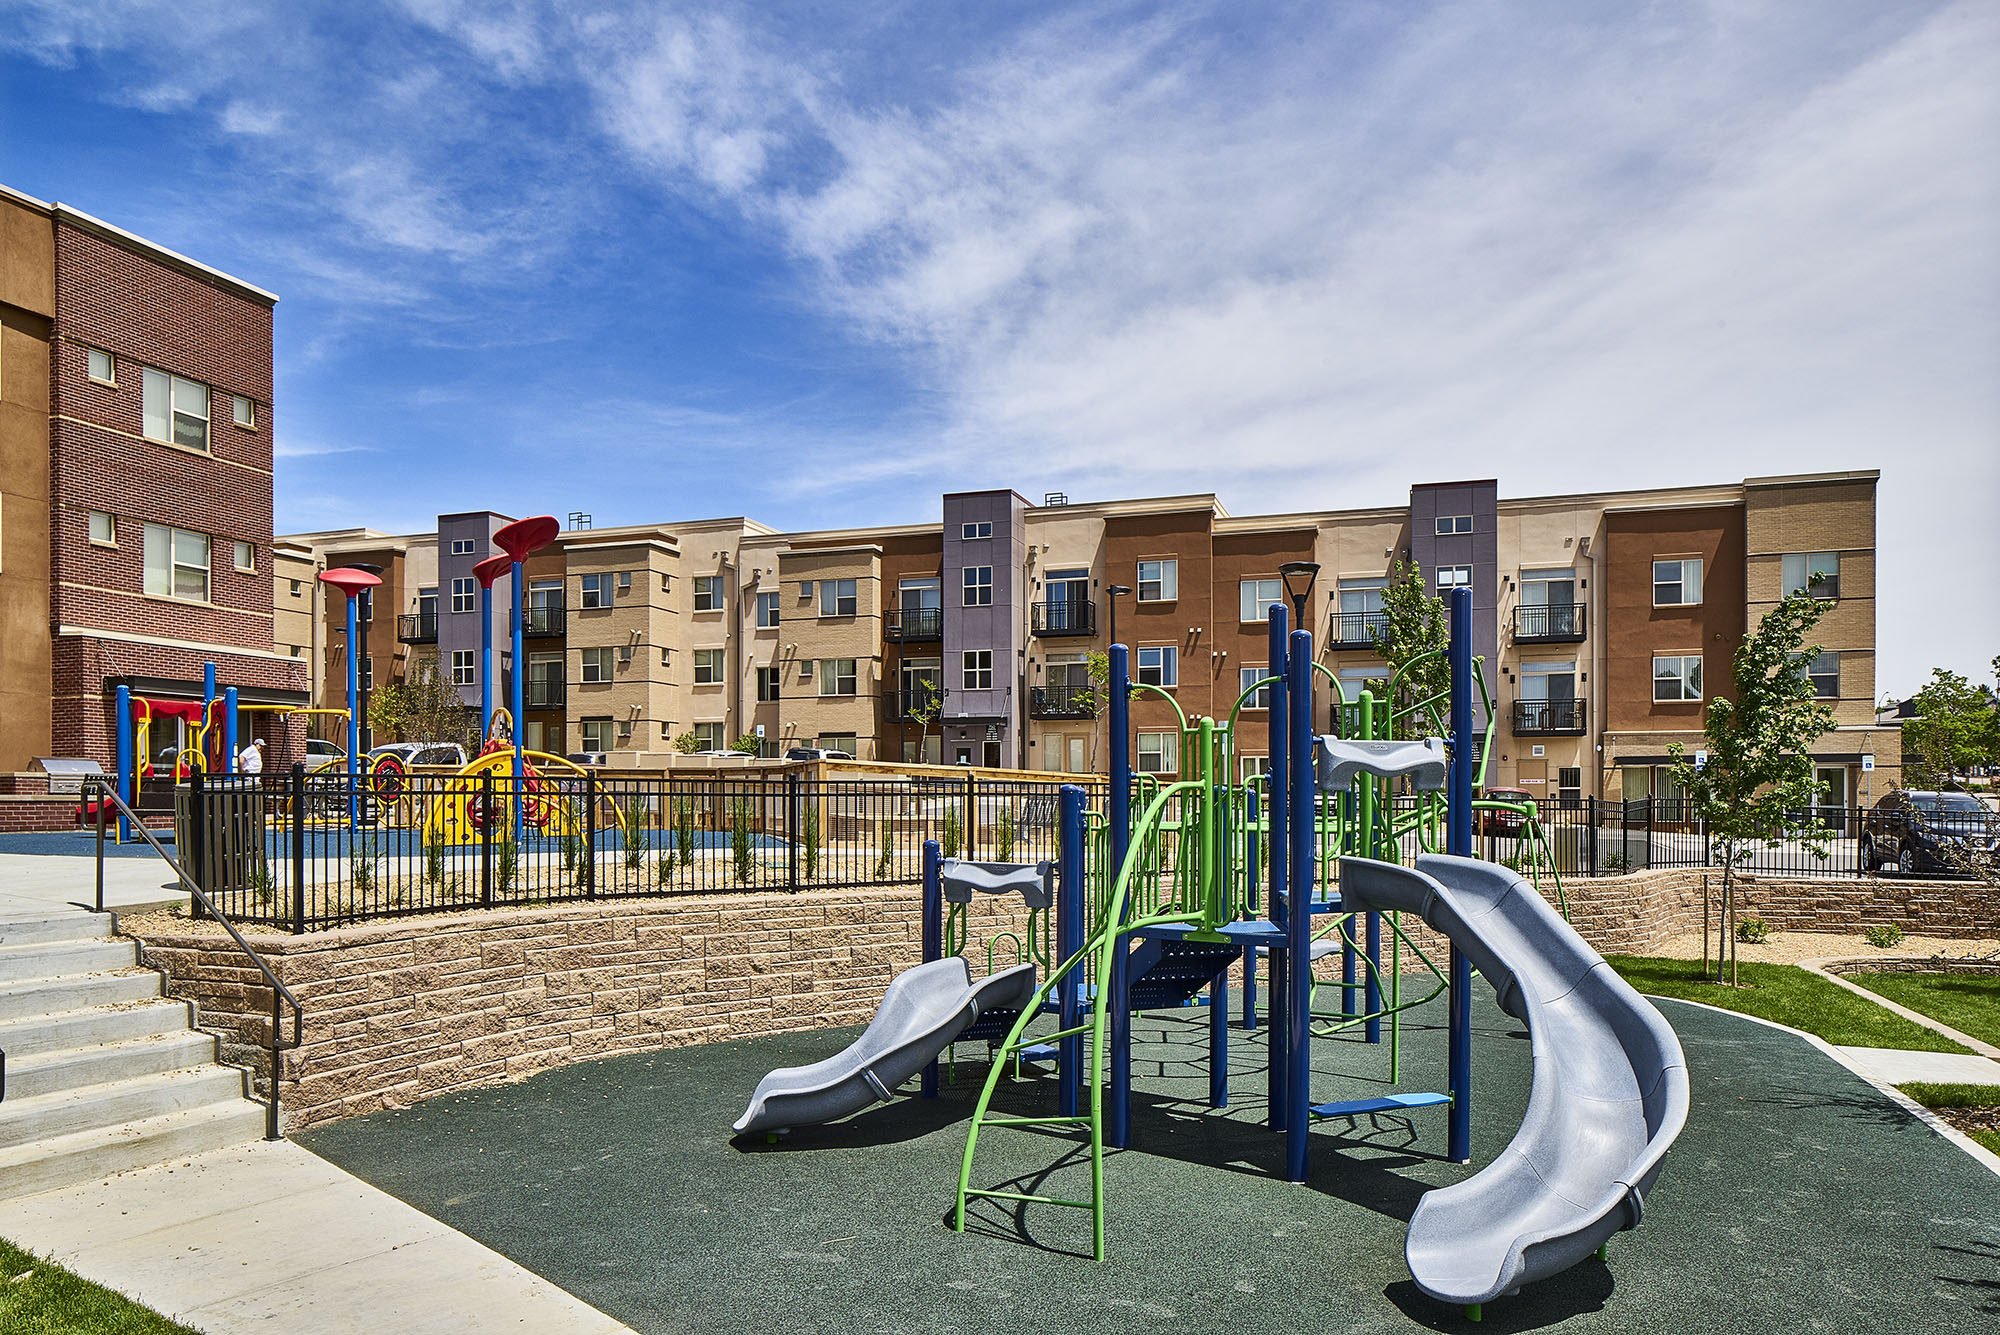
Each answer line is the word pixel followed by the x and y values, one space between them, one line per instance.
pixel 250 760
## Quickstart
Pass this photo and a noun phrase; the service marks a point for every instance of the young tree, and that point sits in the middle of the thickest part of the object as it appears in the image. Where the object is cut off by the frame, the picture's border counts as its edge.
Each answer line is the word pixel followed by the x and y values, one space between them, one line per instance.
pixel 1415 623
pixel 926 708
pixel 423 707
pixel 1955 729
pixel 1757 783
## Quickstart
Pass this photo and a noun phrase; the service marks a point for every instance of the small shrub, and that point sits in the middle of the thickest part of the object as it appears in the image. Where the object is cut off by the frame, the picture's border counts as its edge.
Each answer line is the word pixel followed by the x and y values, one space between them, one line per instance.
pixel 663 869
pixel 739 842
pixel 1753 931
pixel 1884 935
pixel 812 839
pixel 749 744
pixel 688 742
pixel 886 863
pixel 1003 836
pixel 684 829
pixel 635 834
pixel 505 861
pixel 361 867
pixel 262 887
pixel 434 860
pixel 954 832
pixel 1617 862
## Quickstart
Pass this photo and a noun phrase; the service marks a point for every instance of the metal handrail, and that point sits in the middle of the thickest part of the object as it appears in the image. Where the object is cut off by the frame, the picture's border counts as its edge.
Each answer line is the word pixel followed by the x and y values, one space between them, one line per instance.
pixel 278 989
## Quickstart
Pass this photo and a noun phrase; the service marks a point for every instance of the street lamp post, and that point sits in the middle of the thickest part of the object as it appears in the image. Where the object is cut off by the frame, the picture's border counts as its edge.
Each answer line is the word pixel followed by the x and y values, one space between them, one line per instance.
pixel 351 582
pixel 1112 593
pixel 1299 577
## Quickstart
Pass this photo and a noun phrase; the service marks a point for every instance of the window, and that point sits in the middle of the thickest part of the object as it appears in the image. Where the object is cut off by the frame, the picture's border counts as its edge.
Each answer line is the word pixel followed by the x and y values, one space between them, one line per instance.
pixel 767 611
pixel 708 593
pixel 461 668
pixel 837 597
pixel 298 589
pixel 1817 573
pixel 1569 787
pixel 805 590
pixel 836 676
pixel 104 529
pixel 1448 525
pixel 461 595
pixel 102 368
pixel 767 683
pixel 175 410
pixel 1824 672
pixel 708 737
pixel 1254 767
pixel 971 532
pixel 1451 577
pixel 597 664
pixel 842 742
pixel 461 546
pixel 1677 583
pixel 1676 677
pixel 1159 665
pixel 1256 598
pixel 176 563
pixel 624 581
pixel 666 585
pixel 666 653
pixel 708 667
pixel 976 670
pixel 978 586
pixel 246 557
pixel 242 411
pixel 597 591
pixel 367 672
pixel 1159 752
pixel 597 734
pixel 1248 677
pixel 1159 581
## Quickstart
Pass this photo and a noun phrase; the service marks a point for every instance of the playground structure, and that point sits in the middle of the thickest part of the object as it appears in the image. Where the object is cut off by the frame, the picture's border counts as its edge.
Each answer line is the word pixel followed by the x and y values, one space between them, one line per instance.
pixel 1157 906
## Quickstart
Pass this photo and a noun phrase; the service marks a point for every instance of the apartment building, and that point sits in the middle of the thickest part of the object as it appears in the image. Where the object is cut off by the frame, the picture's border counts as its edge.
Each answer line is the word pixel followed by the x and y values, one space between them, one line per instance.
pixel 135 488
pixel 1603 623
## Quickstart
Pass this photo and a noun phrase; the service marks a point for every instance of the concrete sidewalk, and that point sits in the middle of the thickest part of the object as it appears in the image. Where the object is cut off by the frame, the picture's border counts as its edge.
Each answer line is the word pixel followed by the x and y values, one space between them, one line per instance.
pixel 1897 1066
pixel 270 1236
pixel 42 885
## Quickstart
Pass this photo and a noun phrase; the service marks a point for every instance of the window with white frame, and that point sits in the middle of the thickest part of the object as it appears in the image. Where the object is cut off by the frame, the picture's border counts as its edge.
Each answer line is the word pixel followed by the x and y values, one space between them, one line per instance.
pixel 1159 752
pixel 836 676
pixel 243 411
pixel 976 670
pixel 1450 525
pixel 1677 583
pixel 246 557
pixel 598 591
pixel 176 563
pixel 596 734
pixel 708 737
pixel 838 597
pixel 708 667
pixel 1248 677
pixel 103 529
pixel 463 598
pixel 597 664
pixel 767 611
pixel 1159 581
pixel 175 410
pixel 979 586
pixel 708 593
pixel 1452 577
pixel 1676 678
pixel 1824 672
pixel 462 671
pixel 367 672
pixel 103 368
pixel 1256 597
pixel 461 546
pixel 1817 573
pixel 972 532
pixel 1159 665
pixel 843 742
pixel 767 683
pixel 1254 767
pixel 298 588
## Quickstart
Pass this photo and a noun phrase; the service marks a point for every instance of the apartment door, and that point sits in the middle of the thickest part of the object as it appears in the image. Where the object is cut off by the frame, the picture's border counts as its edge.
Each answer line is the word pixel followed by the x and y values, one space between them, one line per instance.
pixel 921 601
pixel 1548 603
pixel 1832 780
pixel 991 756
pixel 922 684
pixel 1052 752
pixel 1548 695
pixel 1068 600
pixel 1079 754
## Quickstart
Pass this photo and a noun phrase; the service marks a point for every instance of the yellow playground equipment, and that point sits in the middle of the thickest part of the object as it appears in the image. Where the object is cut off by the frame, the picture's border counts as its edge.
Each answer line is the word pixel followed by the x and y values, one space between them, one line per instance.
pixel 460 812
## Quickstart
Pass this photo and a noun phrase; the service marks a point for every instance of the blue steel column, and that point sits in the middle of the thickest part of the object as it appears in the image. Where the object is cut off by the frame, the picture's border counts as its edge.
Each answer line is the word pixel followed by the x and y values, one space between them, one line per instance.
pixel 353 723
pixel 485 662
pixel 1069 940
pixel 1118 1101
pixel 1278 851
pixel 1298 927
pixel 933 933
pixel 1458 842
pixel 128 769
pixel 514 679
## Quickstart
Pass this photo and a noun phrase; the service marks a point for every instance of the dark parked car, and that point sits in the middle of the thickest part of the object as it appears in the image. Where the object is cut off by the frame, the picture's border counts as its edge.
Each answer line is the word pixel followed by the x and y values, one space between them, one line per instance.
pixel 1912 830
pixel 1504 822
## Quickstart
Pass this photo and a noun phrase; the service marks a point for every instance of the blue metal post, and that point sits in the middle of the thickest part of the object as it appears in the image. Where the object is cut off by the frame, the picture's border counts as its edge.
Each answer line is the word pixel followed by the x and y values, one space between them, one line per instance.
pixel 128 769
pixel 1251 871
pixel 229 730
pixel 1070 894
pixel 485 662
pixel 933 933
pixel 1298 926
pixel 1278 851
pixel 353 721
pixel 515 680
pixel 1118 1100
pixel 1458 842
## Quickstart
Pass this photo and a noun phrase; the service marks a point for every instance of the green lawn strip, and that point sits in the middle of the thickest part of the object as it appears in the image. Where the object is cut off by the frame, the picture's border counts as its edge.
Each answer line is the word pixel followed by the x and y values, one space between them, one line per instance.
pixel 1969 1003
pixel 1939 1098
pixel 1787 995
pixel 39 1298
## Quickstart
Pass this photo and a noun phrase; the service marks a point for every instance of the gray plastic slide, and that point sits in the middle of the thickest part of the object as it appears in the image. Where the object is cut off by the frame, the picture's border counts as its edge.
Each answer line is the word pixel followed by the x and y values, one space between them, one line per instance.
pixel 1610 1088
pixel 1337 761
pixel 924 1009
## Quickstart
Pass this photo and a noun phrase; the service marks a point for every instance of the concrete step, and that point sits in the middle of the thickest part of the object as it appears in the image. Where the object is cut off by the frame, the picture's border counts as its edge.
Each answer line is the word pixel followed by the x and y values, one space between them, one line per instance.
pixel 98 1107
pixel 24 1038
pixel 38 1074
pixel 60 959
pixel 81 1156
pixel 53 996
pixel 75 926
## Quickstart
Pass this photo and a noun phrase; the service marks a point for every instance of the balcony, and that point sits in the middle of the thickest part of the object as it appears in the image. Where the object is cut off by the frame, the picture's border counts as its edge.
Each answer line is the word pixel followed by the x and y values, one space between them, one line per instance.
pixel 1548 718
pixel 1075 616
pixel 543 618
pixel 543 693
pixel 1062 702
pixel 1356 630
pixel 912 705
pixel 417 628
pixel 1556 623
pixel 908 624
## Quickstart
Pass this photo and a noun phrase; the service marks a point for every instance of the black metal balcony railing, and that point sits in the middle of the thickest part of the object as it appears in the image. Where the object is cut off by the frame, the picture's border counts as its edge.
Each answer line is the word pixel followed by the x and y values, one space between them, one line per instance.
pixel 1553 623
pixel 917 703
pixel 544 618
pixel 1072 616
pixel 1062 702
pixel 1355 629
pixel 1548 718
pixel 417 628
pixel 544 693
pixel 913 623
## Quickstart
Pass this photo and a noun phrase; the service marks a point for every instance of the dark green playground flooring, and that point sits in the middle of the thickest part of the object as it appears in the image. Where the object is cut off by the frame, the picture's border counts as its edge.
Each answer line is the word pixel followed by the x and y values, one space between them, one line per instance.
pixel 1797 1199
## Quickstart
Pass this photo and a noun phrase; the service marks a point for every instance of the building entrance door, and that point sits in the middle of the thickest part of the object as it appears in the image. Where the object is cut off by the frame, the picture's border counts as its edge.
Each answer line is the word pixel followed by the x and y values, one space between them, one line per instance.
pixel 1832 780
pixel 991 759
pixel 1079 748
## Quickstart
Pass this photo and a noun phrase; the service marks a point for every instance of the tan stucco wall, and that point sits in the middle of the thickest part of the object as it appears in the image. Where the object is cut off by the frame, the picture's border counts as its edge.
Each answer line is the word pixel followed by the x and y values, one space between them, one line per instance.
pixel 27 297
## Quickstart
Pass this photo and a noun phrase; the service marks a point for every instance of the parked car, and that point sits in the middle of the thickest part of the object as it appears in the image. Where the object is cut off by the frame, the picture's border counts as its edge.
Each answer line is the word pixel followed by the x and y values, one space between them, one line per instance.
pixel 422 753
pixel 1912 831
pixel 1506 823
pixel 319 751
pixel 589 758
pixel 817 753
pixel 720 755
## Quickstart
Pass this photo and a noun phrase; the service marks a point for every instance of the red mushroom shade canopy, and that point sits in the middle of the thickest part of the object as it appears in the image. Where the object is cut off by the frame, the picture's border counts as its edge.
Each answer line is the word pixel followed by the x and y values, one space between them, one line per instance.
pixel 528 535
pixel 349 580
pixel 492 568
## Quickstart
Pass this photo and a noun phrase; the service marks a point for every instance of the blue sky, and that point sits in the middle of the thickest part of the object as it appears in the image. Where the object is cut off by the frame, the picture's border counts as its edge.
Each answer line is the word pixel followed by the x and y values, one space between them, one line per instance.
pixel 660 261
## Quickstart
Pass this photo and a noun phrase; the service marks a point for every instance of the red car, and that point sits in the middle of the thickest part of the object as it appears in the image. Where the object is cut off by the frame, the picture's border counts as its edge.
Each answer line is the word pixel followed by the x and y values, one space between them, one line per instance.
pixel 1503 822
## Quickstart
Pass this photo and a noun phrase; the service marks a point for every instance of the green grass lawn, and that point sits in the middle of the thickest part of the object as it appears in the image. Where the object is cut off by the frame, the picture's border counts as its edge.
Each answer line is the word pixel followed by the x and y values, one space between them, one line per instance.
pixel 1944 1098
pixel 1787 995
pixel 37 1298
pixel 1969 1003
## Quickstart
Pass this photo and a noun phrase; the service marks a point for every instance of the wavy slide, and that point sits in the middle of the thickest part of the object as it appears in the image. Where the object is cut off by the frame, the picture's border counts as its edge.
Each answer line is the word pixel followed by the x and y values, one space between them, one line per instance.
pixel 1610 1089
